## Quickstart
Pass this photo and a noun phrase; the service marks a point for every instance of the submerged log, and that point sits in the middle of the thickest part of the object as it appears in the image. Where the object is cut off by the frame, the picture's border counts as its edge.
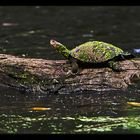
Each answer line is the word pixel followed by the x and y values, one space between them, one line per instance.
pixel 45 76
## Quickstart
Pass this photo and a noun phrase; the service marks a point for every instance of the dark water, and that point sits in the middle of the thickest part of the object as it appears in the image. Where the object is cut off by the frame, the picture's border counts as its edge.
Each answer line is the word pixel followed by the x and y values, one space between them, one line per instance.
pixel 26 31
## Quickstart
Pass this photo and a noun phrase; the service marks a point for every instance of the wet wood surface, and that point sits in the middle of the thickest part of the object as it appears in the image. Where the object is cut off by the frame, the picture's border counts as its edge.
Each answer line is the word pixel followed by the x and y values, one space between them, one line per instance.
pixel 55 76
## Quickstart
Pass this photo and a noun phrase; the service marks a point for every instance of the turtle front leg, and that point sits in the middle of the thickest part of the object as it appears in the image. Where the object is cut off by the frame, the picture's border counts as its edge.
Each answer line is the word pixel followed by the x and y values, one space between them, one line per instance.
pixel 115 66
pixel 75 67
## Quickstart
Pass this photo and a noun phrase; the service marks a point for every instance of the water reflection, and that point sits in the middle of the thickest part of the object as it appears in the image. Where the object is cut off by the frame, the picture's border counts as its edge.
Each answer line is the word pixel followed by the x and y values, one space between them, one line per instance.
pixel 23 33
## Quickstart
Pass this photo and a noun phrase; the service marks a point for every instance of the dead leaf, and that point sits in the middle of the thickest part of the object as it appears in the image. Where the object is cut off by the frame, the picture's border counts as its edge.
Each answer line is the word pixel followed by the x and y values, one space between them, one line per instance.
pixel 40 108
pixel 134 103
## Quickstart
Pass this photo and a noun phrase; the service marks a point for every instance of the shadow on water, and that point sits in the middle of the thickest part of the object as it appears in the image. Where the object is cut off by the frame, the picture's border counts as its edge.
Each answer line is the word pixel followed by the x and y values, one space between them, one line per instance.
pixel 28 35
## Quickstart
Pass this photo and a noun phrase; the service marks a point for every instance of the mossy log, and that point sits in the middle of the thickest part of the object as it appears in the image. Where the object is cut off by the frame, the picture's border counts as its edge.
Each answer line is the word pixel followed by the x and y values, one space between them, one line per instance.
pixel 54 76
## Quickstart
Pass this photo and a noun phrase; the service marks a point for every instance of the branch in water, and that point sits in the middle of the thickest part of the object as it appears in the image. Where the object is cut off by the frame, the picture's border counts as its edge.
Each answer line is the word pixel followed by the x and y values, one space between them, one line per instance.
pixel 53 76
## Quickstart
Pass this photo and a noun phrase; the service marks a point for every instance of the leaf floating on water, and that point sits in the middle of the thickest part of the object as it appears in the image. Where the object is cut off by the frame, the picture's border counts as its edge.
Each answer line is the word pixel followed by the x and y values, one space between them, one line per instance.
pixel 134 103
pixel 40 108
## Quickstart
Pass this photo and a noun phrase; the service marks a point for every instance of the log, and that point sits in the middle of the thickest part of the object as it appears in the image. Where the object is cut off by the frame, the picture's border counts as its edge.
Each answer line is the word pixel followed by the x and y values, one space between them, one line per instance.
pixel 55 76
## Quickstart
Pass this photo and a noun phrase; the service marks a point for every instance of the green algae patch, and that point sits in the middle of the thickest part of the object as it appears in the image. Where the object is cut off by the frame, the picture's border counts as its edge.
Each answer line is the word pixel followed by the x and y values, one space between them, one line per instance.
pixel 81 124
pixel 20 74
pixel 108 124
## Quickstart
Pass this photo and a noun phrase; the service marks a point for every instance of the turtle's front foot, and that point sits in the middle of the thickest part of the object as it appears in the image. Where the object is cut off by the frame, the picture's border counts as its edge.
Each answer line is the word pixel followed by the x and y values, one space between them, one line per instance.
pixel 115 66
pixel 75 67
pixel 66 67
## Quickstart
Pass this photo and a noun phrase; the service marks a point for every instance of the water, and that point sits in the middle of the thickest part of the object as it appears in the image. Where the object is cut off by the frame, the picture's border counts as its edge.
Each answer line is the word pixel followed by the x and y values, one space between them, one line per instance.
pixel 26 31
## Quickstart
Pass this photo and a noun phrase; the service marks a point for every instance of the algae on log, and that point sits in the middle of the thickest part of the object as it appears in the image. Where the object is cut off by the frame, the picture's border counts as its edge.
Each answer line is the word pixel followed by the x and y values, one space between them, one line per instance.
pixel 40 75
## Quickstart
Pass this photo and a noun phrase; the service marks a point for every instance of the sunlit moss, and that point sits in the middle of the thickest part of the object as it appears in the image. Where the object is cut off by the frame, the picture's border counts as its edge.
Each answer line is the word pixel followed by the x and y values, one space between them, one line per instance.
pixel 21 75
pixel 79 124
pixel 68 118
pixel 107 124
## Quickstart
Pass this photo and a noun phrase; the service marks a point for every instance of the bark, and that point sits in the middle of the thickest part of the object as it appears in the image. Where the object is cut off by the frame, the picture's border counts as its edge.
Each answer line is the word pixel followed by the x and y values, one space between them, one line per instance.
pixel 46 76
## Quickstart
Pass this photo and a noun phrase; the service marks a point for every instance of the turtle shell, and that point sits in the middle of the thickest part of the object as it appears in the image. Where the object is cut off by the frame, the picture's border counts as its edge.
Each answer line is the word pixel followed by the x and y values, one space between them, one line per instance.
pixel 95 52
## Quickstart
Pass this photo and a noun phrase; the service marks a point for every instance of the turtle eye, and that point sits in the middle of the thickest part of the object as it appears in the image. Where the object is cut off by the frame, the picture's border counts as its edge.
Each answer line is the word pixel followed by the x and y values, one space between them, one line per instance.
pixel 52 42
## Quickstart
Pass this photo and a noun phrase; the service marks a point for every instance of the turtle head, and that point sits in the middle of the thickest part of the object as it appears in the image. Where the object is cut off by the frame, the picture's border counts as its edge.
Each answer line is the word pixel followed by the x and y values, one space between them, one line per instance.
pixel 60 48
pixel 55 44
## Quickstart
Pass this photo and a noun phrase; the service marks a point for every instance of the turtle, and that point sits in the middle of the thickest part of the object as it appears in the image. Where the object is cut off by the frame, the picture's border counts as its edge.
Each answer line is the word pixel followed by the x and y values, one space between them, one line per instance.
pixel 95 53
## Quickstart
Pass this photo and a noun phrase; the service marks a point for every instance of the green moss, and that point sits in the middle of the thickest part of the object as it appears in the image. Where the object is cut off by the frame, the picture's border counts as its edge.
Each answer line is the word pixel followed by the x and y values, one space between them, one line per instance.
pixel 95 51
pixel 20 74
pixel 27 78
